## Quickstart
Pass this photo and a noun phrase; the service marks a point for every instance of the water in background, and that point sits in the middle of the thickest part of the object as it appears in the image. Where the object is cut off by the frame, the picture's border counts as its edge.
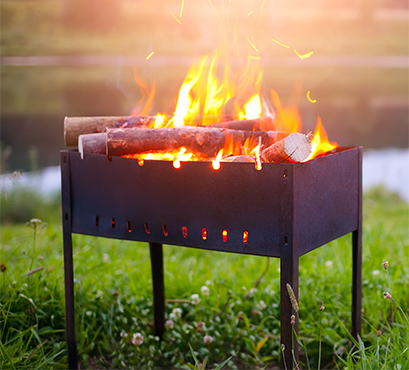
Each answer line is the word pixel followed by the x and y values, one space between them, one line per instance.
pixel 386 167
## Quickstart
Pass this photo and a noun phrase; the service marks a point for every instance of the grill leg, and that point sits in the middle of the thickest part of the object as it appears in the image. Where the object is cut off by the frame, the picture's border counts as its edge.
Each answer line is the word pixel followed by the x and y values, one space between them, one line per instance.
pixel 356 282
pixel 156 252
pixel 289 274
pixel 69 296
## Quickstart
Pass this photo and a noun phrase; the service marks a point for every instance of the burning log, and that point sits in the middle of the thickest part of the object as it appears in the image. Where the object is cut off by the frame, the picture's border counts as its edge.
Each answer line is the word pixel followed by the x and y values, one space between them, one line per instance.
pixel 237 158
pixel 92 144
pixel 204 140
pixel 295 147
pixel 76 126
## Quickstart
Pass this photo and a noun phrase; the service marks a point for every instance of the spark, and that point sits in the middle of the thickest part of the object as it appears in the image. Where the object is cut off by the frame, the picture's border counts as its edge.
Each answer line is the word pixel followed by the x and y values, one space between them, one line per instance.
pixel 148 57
pixel 279 43
pixel 308 97
pixel 177 20
pixel 248 15
pixel 181 9
pixel 254 47
pixel 304 56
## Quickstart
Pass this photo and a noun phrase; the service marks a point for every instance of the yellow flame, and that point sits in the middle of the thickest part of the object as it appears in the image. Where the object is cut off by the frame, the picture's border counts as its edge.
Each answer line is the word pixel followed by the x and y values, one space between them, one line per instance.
pixel 253 108
pixel 252 44
pixel 303 56
pixel 181 157
pixel 279 43
pixel 216 162
pixel 177 20
pixel 181 8
pixel 256 152
pixel 149 56
pixel 159 120
pixel 308 97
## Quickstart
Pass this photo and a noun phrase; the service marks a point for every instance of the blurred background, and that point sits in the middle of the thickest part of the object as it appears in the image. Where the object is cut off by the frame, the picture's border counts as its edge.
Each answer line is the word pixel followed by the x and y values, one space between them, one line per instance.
pixel 76 58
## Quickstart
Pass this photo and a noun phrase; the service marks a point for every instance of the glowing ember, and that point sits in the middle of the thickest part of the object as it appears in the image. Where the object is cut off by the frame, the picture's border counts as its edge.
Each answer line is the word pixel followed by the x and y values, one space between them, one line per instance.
pixel 308 97
pixel 149 56
pixel 177 20
pixel 279 43
pixel 304 56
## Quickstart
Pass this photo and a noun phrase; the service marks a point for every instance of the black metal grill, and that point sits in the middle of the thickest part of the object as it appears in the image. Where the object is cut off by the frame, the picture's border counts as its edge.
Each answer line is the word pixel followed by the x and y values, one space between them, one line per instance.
pixel 284 211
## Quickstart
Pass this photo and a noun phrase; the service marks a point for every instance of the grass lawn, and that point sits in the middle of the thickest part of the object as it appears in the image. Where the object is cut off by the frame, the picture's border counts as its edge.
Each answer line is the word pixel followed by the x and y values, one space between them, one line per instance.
pixel 114 301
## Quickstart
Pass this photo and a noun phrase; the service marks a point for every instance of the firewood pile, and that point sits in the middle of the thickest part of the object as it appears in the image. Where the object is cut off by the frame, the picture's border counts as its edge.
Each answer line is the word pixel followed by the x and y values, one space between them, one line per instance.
pixel 124 136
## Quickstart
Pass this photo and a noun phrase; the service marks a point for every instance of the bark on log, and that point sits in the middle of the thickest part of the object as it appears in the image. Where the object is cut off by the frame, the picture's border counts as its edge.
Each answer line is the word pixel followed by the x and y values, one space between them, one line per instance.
pixel 76 126
pixel 237 158
pixel 92 144
pixel 293 148
pixel 205 140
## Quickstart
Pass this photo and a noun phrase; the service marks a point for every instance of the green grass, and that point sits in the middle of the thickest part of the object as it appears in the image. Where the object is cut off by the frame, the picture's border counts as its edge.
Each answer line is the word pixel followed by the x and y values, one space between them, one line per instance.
pixel 113 296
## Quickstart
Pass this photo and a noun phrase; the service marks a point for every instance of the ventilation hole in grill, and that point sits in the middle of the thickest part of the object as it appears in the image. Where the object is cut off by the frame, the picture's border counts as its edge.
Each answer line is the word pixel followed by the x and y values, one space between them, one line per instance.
pixel 285 240
pixel 165 230
pixel 66 217
pixel 113 223
pixel 141 162
pixel 96 221
pixel 128 224
pixel 245 237
pixel 146 228
pixel 285 173
pixel 204 233
pixel 224 235
pixel 184 231
pixel 109 158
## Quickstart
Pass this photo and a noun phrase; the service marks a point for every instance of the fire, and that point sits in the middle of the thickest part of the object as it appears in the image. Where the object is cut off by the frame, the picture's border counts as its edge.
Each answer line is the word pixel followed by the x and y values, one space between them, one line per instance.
pixel 256 152
pixel 320 143
pixel 216 162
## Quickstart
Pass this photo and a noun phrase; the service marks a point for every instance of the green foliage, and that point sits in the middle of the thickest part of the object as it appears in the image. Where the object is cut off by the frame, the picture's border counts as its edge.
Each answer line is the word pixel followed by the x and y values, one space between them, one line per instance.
pixel 114 301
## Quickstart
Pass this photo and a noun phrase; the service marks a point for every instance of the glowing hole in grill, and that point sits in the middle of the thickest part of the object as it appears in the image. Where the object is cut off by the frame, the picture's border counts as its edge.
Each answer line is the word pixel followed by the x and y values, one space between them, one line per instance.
pixel 165 230
pixel 184 231
pixel 146 228
pixel 245 237
pixel 176 164
pixel 113 223
pixel 96 221
pixel 224 235
pixel 204 233
pixel 141 162
pixel 128 224
pixel 285 173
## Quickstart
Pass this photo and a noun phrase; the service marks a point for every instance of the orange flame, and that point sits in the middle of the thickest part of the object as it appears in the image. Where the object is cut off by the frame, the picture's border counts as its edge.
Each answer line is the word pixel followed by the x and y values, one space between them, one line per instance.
pixel 320 143
pixel 256 152
pixel 144 106
pixel 216 162
pixel 287 119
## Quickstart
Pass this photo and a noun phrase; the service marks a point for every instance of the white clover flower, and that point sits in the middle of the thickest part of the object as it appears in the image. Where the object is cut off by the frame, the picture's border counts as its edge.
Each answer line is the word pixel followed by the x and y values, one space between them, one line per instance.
pixel 328 263
pixel 375 272
pixel 123 334
pixel 207 339
pixel 137 339
pixel 177 313
pixel 194 298
pixel 205 290
pixel 253 291
pixel 99 294
pixel 261 305
pixel 208 282
pixel 169 324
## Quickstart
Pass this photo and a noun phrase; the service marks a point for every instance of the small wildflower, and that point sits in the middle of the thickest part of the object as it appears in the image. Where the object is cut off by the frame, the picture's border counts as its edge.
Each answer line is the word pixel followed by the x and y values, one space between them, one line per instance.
pixel 177 313
pixel 385 264
pixel 123 334
pixel 3 267
pixel 261 305
pixel 322 307
pixel 169 324
pixel 292 321
pixel 282 347
pixel 378 333
pixel 328 264
pixel 208 282
pixel 205 290
pixel 115 293
pixel 99 294
pixel 137 339
pixel 207 339
pixel 292 297
pixel 254 312
pixel 387 295
pixel 105 258
pixel 194 298
pixel 199 326
pixel 375 272
pixel 35 221
pixel 243 288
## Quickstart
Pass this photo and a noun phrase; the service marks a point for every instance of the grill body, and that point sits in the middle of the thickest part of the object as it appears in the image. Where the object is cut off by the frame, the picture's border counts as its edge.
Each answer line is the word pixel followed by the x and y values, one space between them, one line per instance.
pixel 284 210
